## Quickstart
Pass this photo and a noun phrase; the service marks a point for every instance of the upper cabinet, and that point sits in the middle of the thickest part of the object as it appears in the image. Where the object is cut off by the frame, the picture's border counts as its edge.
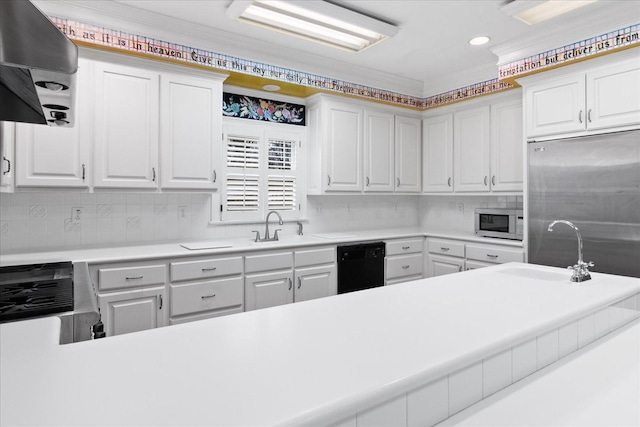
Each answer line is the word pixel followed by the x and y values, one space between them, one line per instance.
pixel 477 149
pixel 7 157
pixel 126 126
pixel 190 129
pixel 604 97
pixel 357 148
pixel 51 156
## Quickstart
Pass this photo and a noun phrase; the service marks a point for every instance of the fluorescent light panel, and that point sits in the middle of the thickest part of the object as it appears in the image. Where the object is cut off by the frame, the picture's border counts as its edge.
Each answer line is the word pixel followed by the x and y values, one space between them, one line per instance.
pixel 534 11
pixel 318 21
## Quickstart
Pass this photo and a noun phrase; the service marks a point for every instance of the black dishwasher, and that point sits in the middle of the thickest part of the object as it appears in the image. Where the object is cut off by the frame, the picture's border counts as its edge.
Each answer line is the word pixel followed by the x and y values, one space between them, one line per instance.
pixel 360 266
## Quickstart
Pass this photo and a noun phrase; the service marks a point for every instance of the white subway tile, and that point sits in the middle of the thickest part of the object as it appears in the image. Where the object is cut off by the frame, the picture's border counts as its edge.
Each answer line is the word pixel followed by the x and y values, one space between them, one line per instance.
pixel 390 413
pixel 567 339
pixel 524 359
pixel 601 322
pixel 586 330
pixel 547 348
pixel 496 373
pixel 465 388
pixel 429 404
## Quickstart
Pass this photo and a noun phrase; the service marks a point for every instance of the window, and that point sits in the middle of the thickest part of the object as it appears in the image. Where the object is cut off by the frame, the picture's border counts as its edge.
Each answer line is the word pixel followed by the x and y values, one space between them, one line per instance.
pixel 262 171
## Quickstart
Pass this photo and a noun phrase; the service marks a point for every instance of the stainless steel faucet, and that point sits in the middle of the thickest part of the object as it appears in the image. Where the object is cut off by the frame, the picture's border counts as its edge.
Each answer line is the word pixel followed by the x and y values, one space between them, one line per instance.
pixel 266 233
pixel 581 269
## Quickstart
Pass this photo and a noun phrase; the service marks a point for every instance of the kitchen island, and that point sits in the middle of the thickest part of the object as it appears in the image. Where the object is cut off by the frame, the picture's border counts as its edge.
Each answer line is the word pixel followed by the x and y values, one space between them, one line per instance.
pixel 408 354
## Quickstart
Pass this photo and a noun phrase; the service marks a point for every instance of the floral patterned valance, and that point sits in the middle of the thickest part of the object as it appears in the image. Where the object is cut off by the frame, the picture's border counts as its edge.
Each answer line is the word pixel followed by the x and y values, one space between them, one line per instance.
pixel 248 107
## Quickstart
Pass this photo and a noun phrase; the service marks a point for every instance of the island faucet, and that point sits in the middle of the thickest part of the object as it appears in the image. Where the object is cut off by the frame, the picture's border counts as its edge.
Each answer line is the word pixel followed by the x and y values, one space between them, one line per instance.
pixel 581 269
pixel 266 233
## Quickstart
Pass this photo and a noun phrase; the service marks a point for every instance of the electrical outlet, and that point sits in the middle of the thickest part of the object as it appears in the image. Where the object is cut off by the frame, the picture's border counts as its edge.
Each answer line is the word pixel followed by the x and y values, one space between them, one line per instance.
pixel 461 208
pixel 76 215
pixel 182 212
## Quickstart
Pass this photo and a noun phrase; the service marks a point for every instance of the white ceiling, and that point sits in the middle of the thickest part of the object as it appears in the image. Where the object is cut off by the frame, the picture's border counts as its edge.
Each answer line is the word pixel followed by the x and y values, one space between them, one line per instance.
pixel 428 56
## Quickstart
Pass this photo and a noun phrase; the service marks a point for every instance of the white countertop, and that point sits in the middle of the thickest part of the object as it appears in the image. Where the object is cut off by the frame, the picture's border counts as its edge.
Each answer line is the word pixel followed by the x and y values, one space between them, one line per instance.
pixel 226 246
pixel 598 385
pixel 290 363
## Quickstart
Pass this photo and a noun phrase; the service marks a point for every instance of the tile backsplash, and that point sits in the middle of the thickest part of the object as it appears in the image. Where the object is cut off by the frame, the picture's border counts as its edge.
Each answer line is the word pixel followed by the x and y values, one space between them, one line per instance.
pixel 66 220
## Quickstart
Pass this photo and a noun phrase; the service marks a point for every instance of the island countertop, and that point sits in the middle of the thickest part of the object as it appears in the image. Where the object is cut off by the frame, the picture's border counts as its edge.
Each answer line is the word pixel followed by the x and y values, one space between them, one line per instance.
pixel 312 362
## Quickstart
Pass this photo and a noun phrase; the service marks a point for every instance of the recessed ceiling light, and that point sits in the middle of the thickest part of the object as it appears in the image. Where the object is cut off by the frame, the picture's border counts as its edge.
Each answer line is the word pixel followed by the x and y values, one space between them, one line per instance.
pixel 318 21
pixel 271 88
pixel 477 41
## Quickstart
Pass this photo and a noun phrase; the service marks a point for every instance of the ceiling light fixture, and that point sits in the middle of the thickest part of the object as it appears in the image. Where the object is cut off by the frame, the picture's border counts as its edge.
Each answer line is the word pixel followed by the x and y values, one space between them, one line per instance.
pixel 477 41
pixel 314 20
pixel 534 11
pixel 271 88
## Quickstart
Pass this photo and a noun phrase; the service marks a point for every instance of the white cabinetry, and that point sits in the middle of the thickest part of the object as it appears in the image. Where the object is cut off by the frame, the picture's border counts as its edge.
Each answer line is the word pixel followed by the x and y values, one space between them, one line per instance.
pixel 362 148
pixel 270 279
pixel 451 256
pixel 315 273
pixel 189 131
pixel 126 126
pixel 601 97
pixel 206 287
pixel 437 169
pixel 378 151
pixel 52 156
pixel 131 296
pixel 471 139
pixel 408 160
pixel 476 149
pixel 506 146
pixel 403 260
pixel 7 159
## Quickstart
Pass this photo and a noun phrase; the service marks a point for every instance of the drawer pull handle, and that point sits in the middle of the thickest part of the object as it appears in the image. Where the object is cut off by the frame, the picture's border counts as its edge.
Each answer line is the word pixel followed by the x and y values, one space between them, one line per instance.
pixel 492 256
pixel 133 277
pixel 208 296
pixel 404 248
pixel 290 283
pixel 404 267
pixel 442 248
pixel 209 269
pixel 460 268
pixel 299 282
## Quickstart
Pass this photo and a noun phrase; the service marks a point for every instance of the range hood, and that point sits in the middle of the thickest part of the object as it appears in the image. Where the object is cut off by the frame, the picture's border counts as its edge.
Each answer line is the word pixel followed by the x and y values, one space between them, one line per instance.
pixel 38 65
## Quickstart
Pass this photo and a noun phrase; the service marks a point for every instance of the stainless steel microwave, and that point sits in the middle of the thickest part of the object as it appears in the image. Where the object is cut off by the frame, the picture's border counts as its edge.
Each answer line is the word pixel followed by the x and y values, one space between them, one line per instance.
pixel 500 223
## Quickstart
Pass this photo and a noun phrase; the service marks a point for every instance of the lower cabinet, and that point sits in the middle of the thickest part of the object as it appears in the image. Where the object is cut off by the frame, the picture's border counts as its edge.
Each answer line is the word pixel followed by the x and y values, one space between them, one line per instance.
pixel 131 296
pixel 132 311
pixel 403 260
pixel 276 278
pixel 448 256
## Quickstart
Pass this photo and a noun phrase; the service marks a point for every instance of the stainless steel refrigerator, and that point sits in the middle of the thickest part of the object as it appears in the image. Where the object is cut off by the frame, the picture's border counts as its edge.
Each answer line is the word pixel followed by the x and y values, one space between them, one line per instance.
pixel 593 182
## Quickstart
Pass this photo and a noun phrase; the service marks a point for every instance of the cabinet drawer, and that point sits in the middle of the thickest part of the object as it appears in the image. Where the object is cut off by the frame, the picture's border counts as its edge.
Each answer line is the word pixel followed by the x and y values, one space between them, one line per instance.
pixel 404 265
pixel 399 247
pixel 315 256
pixel 129 277
pixel 203 296
pixel 494 254
pixel 446 247
pixel 205 268
pixel 267 262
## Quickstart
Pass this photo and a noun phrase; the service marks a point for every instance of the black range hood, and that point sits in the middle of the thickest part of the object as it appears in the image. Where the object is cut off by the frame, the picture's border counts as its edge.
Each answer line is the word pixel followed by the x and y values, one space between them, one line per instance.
pixel 38 65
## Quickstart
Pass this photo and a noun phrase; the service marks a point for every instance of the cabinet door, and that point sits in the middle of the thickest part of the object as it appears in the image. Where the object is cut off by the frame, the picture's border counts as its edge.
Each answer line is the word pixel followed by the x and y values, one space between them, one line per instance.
pixel 315 282
pixel 268 289
pixel 613 95
pixel 126 126
pixel 556 107
pixel 507 143
pixel 190 129
pixel 471 139
pixel 439 265
pixel 408 159
pixel 7 136
pixel 132 311
pixel 344 148
pixel 437 166
pixel 52 156
pixel 378 151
